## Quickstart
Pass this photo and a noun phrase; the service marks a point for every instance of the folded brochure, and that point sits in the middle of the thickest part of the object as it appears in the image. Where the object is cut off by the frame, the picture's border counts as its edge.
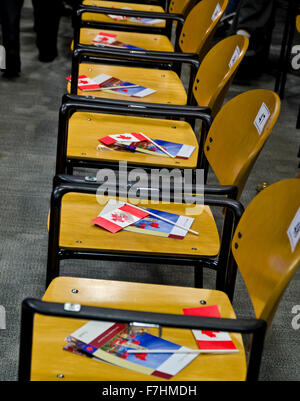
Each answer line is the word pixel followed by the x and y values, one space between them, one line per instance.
pixel 211 340
pixel 110 342
pixel 137 142
pixel 110 40
pixel 103 81
pixel 117 216
pixel 138 20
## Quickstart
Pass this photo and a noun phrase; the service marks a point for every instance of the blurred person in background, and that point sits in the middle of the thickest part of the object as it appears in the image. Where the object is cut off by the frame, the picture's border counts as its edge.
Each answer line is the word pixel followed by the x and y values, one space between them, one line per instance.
pixel 10 17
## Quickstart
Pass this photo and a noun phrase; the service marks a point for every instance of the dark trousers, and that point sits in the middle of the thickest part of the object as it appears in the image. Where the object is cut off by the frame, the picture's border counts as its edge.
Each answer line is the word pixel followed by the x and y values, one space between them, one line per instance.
pixel 46 24
pixel 256 17
pixel 10 11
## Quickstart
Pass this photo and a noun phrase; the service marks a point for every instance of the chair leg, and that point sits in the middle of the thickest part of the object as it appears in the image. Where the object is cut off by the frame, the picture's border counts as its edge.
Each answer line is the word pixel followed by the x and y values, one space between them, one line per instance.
pixel 282 52
pixel 287 59
pixel 53 265
pixel 70 169
pixel 286 50
pixel 298 119
pixel 198 276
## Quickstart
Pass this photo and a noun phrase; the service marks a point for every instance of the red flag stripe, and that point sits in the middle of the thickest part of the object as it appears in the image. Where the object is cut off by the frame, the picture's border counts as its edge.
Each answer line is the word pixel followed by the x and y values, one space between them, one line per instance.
pixel 108 225
pixel 111 35
pixel 134 211
pixel 219 345
pixel 107 140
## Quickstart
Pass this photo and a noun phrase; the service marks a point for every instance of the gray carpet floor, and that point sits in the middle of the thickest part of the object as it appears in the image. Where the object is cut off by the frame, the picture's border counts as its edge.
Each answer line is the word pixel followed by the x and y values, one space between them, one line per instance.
pixel 28 130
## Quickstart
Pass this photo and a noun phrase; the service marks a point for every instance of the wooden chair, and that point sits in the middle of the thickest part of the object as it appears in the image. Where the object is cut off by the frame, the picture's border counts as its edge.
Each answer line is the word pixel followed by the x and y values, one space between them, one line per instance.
pixel 263 253
pixel 232 146
pixel 79 114
pixel 213 75
pixel 162 67
pixel 94 15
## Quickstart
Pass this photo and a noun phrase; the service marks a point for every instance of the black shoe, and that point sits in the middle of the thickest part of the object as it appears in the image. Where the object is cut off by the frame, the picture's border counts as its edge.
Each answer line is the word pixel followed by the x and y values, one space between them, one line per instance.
pixel 9 74
pixel 47 57
pixel 13 64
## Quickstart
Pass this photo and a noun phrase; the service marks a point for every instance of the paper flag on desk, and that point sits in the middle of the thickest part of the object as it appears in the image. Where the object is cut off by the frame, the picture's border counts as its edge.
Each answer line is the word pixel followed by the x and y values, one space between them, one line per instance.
pixel 124 139
pixel 85 83
pixel 118 216
pixel 138 20
pixel 210 340
pixel 110 40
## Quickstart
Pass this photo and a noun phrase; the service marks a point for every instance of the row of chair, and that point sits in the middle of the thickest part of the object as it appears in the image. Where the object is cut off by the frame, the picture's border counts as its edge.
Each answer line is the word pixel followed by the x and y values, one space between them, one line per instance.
pixel 227 140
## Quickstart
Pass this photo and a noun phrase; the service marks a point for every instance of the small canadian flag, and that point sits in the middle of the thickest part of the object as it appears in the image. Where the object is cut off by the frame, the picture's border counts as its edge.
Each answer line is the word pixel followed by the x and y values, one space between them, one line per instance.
pixel 119 216
pixel 210 340
pixel 125 139
pixel 85 83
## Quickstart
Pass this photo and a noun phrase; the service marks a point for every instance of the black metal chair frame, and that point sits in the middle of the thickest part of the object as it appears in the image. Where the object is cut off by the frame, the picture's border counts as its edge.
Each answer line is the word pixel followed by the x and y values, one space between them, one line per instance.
pixel 254 327
pixel 74 103
pixel 218 196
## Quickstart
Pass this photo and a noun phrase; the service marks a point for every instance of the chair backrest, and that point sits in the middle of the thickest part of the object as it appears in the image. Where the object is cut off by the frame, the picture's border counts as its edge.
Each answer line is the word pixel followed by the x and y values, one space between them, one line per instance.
pixel 238 133
pixel 217 71
pixel 200 25
pixel 181 6
pixel 262 248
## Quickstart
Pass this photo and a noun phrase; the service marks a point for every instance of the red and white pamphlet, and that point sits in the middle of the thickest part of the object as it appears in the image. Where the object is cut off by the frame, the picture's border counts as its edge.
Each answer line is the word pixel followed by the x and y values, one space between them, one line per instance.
pixel 86 84
pixel 109 84
pixel 124 139
pixel 118 215
pixel 211 340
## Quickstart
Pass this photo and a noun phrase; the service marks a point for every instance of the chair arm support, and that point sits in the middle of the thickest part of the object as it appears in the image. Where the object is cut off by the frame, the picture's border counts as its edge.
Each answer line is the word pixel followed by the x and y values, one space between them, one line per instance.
pixel 129 13
pixel 245 326
pixel 136 105
pixel 150 56
pixel 68 108
pixel 63 184
pixel 229 190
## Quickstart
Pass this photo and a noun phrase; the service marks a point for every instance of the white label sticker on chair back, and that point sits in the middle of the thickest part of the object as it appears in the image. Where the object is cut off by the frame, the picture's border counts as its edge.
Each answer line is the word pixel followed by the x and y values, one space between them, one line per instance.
pixel 262 118
pixel 234 57
pixel 216 12
pixel 294 231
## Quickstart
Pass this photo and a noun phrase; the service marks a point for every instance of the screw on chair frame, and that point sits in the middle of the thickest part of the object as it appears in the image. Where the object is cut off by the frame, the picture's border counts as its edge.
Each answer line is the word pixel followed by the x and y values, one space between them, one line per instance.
pixel 233 212
pixel 30 306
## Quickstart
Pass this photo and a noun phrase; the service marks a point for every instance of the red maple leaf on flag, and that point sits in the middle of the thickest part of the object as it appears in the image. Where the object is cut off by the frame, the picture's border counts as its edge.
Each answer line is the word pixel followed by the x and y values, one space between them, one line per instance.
pixel 124 356
pixel 142 357
pixel 121 218
pixel 124 137
pixel 210 333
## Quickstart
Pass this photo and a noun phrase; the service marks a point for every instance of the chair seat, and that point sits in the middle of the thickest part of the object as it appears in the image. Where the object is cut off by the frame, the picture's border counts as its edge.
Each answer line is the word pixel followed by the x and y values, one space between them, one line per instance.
pixel 115 4
pixel 78 232
pixel 143 40
pixel 95 126
pixel 168 86
pixel 50 360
